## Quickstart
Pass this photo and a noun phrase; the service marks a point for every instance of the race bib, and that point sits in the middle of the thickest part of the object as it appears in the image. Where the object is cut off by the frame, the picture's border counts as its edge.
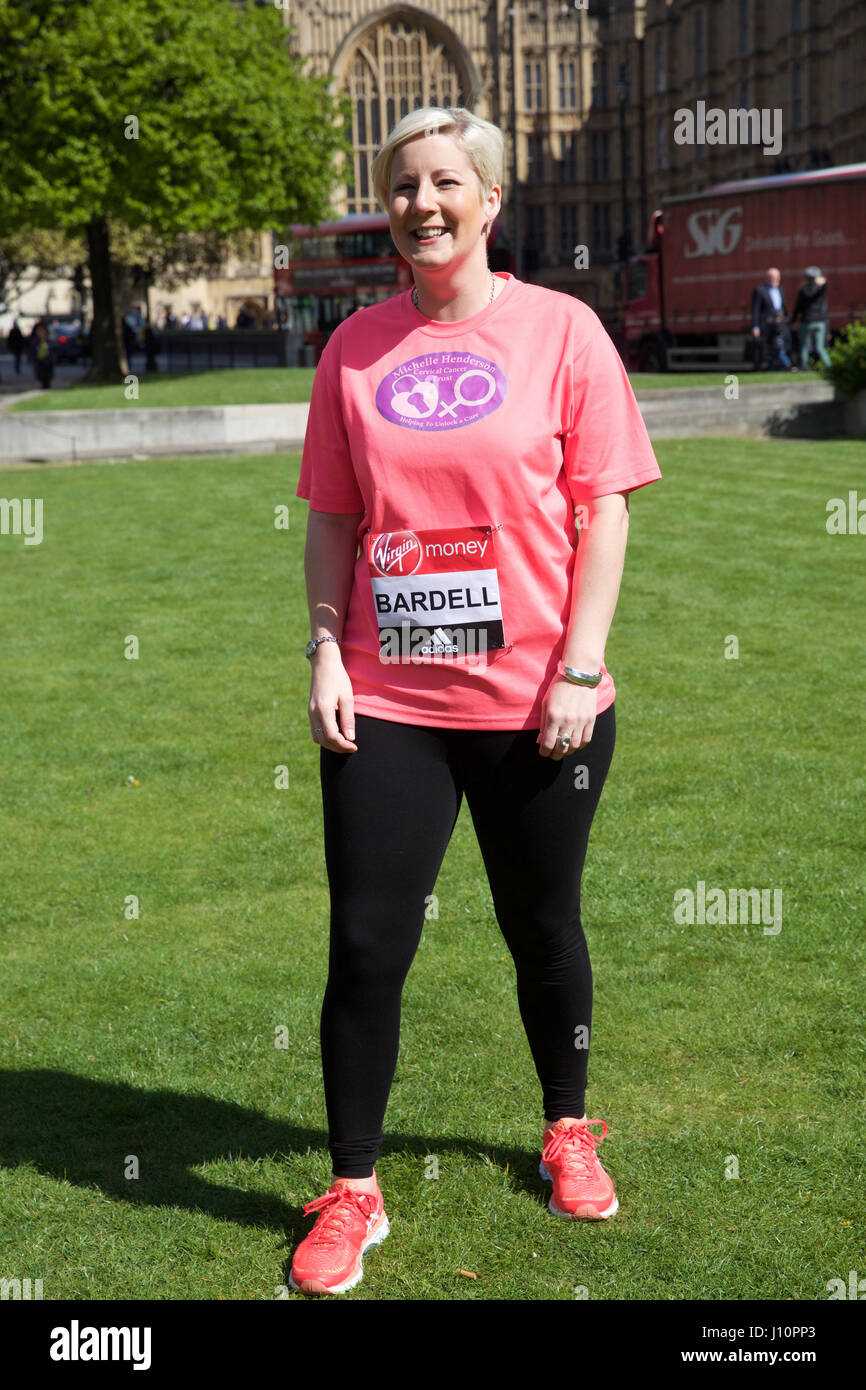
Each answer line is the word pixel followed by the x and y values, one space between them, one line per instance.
pixel 436 594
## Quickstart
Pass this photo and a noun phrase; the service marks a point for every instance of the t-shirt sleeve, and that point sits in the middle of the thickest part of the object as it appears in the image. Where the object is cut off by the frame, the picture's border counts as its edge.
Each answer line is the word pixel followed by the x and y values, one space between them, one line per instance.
pixel 606 447
pixel 327 477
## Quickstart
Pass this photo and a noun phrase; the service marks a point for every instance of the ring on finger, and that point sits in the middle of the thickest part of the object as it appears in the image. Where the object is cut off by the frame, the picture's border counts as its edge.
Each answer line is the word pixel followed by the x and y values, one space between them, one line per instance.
pixel 564 742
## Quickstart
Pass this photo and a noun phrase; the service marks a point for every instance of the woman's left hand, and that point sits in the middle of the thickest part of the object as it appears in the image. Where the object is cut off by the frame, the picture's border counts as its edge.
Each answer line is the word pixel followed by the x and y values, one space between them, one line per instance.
pixel 566 709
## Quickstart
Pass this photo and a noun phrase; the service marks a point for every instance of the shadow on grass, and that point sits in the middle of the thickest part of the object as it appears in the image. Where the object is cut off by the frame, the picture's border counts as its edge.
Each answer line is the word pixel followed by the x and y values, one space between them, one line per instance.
pixel 82 1130
pixel 807 420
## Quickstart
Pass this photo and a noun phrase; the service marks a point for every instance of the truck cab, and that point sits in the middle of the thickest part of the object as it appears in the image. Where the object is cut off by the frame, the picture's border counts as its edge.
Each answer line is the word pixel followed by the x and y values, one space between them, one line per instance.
pixel 643 318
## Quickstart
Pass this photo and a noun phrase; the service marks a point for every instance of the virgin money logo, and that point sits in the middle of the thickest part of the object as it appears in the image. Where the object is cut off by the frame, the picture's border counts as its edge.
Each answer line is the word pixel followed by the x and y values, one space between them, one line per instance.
pixel 714 233
pixel 396 552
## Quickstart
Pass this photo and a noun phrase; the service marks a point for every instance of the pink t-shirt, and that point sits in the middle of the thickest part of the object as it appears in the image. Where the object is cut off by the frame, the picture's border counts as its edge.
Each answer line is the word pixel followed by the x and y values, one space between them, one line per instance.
pixel 468 446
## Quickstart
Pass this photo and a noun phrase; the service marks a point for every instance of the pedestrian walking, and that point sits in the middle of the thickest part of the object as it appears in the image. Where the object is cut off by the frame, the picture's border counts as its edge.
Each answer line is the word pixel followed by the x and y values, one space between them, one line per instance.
pixel 130 340
pixel 770 322
pixel 43 356
pixel 465 543
pixel 811 308
pixel 16 343
pixel 152 346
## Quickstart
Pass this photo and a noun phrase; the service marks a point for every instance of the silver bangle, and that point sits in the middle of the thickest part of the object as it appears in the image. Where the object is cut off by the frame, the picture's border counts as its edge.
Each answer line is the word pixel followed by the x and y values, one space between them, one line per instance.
pixel 579 677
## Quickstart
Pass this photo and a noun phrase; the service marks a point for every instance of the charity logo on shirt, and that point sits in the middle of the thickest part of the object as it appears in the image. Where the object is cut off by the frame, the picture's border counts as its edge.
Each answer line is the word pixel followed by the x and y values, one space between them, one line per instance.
pixel 441 391
pixel 436 593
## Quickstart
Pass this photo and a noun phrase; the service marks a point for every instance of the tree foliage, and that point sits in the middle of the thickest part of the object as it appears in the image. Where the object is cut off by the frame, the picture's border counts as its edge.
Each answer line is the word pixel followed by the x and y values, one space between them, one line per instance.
pixel 231 133
pixel 174 118
pixel 847 371
pixel 30 256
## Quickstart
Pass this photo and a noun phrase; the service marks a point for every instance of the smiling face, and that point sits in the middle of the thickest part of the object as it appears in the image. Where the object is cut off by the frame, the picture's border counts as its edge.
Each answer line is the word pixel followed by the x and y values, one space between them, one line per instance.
pixel 433 185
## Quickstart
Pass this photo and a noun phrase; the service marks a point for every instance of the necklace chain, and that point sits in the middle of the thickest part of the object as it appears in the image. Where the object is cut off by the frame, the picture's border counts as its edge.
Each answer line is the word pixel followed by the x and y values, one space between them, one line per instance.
pixel 490 300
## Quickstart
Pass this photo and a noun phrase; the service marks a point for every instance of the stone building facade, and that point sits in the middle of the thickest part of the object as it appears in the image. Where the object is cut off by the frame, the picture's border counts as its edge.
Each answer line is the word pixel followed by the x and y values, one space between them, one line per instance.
pixel 597 84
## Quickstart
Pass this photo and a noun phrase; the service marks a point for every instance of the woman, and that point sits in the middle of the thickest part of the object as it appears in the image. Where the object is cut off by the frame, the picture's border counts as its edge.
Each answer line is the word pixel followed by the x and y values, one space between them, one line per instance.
pixel 457 647
pixel 43 357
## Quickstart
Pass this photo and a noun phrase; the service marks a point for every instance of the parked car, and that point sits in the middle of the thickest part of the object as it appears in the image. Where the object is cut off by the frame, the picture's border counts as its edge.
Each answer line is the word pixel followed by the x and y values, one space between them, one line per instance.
pixel 66 336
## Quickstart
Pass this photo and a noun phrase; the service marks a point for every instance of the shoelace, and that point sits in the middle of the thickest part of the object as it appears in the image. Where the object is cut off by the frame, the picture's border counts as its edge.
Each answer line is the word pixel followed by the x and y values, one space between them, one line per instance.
pixel 581 1141
pixel 336 1211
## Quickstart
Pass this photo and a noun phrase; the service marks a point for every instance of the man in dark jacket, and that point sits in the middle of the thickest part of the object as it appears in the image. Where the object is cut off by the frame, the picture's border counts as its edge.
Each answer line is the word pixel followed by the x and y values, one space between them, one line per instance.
pixel 770 321
pixel 812 311
pixel 151 347
pixel 16 345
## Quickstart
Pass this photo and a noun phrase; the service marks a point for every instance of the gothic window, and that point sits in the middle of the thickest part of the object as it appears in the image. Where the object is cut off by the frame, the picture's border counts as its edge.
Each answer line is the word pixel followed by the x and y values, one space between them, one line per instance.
pixel 394 70
pixel 601 226
pixel 744 28
pixel 532 83
pixel 568 227
pixel 568 158
pixel 599 83
pixel 535 158
pixel 699 43
pixel 567 86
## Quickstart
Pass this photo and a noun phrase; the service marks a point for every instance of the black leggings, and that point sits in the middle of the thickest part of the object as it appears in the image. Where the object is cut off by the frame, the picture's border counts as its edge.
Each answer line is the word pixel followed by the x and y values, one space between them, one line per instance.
pixel 389 811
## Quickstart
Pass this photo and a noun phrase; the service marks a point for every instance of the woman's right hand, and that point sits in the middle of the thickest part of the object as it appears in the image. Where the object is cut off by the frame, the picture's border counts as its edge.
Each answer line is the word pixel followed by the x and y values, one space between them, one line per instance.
pixel 330 694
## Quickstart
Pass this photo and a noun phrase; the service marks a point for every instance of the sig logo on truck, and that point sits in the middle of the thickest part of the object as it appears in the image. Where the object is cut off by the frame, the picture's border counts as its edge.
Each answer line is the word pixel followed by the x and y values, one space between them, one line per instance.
pixel 687 297
pixel 713 232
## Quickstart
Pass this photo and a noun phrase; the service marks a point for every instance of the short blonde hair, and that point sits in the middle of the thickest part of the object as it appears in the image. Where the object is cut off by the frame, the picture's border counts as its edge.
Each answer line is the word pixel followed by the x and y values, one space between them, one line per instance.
pixel 482 142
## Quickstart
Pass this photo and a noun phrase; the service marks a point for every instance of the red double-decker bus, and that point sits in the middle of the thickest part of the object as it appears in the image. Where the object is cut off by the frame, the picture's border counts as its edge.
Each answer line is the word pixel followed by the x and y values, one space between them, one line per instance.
pixel 337 267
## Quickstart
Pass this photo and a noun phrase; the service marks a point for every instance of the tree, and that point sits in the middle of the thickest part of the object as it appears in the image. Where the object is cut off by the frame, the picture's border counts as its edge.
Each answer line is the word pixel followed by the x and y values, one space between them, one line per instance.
pixel 177 118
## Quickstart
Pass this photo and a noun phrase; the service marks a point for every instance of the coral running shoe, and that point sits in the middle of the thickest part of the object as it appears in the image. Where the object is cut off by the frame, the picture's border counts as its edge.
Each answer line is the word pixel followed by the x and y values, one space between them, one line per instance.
pixel 328 1260
pixel 581 1187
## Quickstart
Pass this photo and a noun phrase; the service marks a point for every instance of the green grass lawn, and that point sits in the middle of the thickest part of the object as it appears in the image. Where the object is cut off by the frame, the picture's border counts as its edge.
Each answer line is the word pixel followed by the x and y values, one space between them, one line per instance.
pixel 152 1039
pixel 668 381
pixel 280 385
pixel 231 386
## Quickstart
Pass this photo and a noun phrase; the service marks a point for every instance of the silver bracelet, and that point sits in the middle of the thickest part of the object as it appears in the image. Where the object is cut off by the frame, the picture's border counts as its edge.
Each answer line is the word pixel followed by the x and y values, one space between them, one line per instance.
pixel 313 643
pixel 578 677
